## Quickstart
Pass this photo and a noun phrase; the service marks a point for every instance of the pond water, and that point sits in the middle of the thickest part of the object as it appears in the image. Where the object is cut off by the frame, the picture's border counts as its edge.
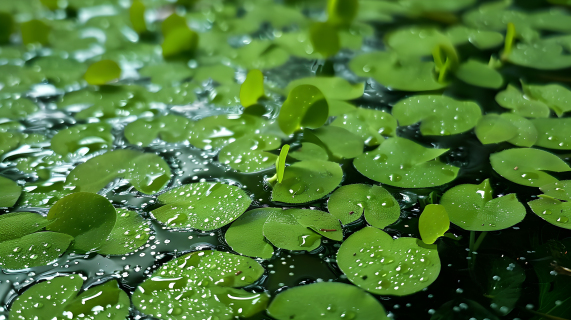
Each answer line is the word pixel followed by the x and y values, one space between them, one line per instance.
pixel 462 104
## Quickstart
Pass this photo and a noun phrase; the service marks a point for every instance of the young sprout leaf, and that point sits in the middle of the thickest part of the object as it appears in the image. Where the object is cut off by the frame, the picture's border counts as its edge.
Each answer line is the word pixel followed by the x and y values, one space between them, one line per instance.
pixel 509 40
pixel 252 88
pixel 102 72
pixel 280 163
pixel 305 106
pixel 433 223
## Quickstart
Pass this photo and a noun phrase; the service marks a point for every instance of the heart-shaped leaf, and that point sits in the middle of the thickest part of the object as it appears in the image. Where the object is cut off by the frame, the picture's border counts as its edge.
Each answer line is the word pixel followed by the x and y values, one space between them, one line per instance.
pixel 88 217
pixel 349 202
pixel 252 88
pixel 217 131
pixel 560 190
pixel 202 283
pixel 102 72
pixel 130 232
pixel 511 127
pixel 374 261
pixel 10 192
pixel 305 106
pixel 479 74
pixel 341 143
pixel 555 96
pixel 170 128
pixel 471 207
pixel 337 300
pixel 433 223
pixel 554 205
pixel 205 206
pixel 93 136
pixel 403 163
pixel 371 125
pixel 246 234
pixel 526 166
pixel 180 42
pixel 553 133
pixel 306 181
pixel 333 88
pixel 248 153
pixel 438 115
pixel 512 98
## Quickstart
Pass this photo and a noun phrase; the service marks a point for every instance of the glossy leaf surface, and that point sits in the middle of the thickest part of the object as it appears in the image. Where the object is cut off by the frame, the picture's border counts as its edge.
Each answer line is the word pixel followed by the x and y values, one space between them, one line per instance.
pixel 305 106
pixel 9 192
pixel 433 223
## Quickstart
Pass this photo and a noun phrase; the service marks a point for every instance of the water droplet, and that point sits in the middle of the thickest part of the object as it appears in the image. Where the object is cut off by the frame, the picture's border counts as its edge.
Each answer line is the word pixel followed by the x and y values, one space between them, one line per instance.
pixel 307 240
pixel 562 219
pixel 387 203
pixel 395 177
pixel 530 176
pixel 546 212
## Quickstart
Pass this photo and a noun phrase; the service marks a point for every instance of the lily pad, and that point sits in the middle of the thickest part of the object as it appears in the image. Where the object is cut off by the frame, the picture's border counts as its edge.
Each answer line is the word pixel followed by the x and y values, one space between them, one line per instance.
pixel 33 250
pixel 205 206
pixel 416 40
pixel 93 137
pixel 306 181
pixel 167 73
pixel 88 217
pixel 15 109
pixel 18 224
pixel 480 74
pixel 10 192
pixel 553 133
pixel 438 115
pixel 472 207
pixel 336 300
pixel 554 206
pixel 261 54
pixel 324 38
pixel 539 55
pixel 59 71
pixel 433 223
pixel 511 127
pixel 525 106
pixel 560 190
pixel 170 128
pixel 217 131
pixel 371 125
pixel 309 151
pixel 372 260
pixel 305 106
pixel 102 72
pixel 503 278
pixel 249 153
pixel 481 39
pixel 403 163
pixel 333 88
pixel 525 166
pixel 60 296
pixel 555 96
pixel 252 88
pixel 130 233
pixel 246 234
pixel 341 143
pixel 147 172
pixel 349 202
pixel 202 283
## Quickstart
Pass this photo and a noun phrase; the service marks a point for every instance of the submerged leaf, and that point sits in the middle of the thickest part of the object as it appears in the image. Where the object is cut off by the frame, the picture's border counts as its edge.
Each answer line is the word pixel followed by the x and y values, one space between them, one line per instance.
pixel 433 223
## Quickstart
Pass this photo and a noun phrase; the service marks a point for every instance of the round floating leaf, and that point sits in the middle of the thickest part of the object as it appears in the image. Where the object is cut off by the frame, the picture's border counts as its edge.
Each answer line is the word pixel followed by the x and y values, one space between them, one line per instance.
pixel 349 202
pixel 147 172
pixel 482 39
pixel 525 166
pixel 439 115
pixel 338 108
pixel 252 88
pixel 261 54
pixel 248 153
pixel 526 132
pixel 539 55
pixel 552 210
pixel 493 128
pixel 200 283
pixel 324 38
pixel 371 125
pixel 102 72
pixel 93 136
pixel 512 98
pixel 18 224
pixel 246 234
pixel 417 41
pixel 397 72
pixel 332 299
pixel 167 73
pixel 433 223
pixel 480 74
pixel 309 151
pixel 88 217
pixel 59 71
pixel 169 128
pixel 306 181
pixel 180 42
pixel 341 143
pixel 130 233
pixel 35 31
pixel 217 131
pixel 205 206
pixel 137 16
pixel 9 192
pixel 555 96
pixel 402 163
pixel 471 207
pixel 333 88
pixel 376 262
pixel 15 109
pixel 305 106
pixel 33 250
pixel 57 298
pixel 553 133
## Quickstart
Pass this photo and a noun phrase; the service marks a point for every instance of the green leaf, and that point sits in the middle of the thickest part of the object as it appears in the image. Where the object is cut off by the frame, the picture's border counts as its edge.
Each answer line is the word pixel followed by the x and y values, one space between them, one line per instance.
pixel 179 95
pixel 35 31
pixel 167 73
pixel 204 205
pixel 88 217
pixel 170 128
pixel 372 260
pixel 305 106
pixel 147 172
pixel 560 190
pixel 480 74
pixel 371 125
pixel 7 27
pixel 329 299
pixel 280 163
pixel 309 151
pixel 397 72
pixel 341 143
pixel 180 42
pixel 403 163
pixel 349 202
pixel 493 128
pixel 333 88
pixel 59 71
pixel 503 278
pixel 553 133
pixel 433 223
pixel 252 88
pixel 217 131
pixel 248 154
pixel 416 41
pixel 526 132
pixel 10 192
pixel 439 115
pixel 137 17
pixel 481 39
pixel 342 12
pixel 338 108
pixel 324 38
pixel 201 283
pixel 172 22
pixel 15 109
pixel 261 54
pixel 246 234
pixel 93 136
pixel 57 298
pixel 525 166
pixel 472 208
pixel 555 96
pixel 552 210
pixel 102 72
pixel 539 55
pixel 130 233
pixel 306 181
pixel 512 98
pixel 33 250
pixel 18 224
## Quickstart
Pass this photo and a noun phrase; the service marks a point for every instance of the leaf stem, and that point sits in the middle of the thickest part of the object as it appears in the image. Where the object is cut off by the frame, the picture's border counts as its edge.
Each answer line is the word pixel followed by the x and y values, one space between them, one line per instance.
pixel 509 41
